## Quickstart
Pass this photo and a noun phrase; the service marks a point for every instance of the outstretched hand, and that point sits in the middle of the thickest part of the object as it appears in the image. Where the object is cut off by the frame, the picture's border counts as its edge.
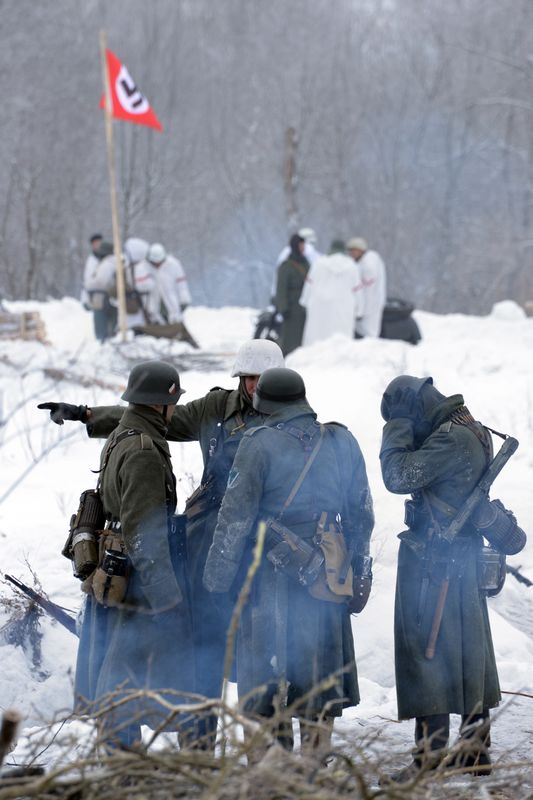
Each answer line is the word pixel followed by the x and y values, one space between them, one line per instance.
pixel 59 412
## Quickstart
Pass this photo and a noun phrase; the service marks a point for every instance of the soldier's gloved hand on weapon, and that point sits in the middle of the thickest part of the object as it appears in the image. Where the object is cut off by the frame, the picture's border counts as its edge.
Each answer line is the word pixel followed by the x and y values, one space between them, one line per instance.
pixel 402 404
pixel 59 412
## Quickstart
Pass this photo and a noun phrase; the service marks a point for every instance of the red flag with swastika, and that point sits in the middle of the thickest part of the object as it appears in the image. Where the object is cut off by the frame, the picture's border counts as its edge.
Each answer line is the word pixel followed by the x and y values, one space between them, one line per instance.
pixel 127 100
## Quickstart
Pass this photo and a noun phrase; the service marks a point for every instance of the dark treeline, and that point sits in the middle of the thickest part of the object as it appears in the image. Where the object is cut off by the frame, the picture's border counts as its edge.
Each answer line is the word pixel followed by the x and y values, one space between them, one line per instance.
pixel 406 122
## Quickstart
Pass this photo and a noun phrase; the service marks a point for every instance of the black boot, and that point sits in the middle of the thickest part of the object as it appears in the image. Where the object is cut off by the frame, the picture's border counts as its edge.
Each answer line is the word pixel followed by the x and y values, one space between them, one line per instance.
pixel 431 740
pixel 474 743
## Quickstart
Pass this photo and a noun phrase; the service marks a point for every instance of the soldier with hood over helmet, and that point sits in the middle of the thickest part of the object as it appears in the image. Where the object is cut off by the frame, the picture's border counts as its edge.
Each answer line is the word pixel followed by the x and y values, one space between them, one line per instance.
pixel 310 478
pixel 433 449
pixel 218 422
pixel 290 281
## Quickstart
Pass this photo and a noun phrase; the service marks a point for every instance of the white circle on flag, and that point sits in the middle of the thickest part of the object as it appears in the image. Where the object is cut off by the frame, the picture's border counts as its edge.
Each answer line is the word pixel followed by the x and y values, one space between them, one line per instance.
pixel 129 96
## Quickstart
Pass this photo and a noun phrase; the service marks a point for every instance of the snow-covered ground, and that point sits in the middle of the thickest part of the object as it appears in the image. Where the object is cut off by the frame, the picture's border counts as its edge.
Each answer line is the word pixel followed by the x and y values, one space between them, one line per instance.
pixel 45 467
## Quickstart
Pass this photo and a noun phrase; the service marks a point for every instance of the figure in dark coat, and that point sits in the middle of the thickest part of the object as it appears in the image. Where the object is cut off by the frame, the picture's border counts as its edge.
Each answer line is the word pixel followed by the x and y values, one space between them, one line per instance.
pixel 433 449
pixel 290 281
pixel 139 644
pixel 289 641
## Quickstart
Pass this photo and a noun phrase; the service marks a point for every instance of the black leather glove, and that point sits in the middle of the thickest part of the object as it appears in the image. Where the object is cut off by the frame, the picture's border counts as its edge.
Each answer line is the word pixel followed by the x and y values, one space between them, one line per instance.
pixel 403 403
pixel 59 412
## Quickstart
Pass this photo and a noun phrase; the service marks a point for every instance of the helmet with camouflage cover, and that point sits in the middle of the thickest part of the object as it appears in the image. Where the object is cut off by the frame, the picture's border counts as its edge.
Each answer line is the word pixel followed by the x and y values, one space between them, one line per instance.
pixel 255 356
pixel 276 387
pixel 153 383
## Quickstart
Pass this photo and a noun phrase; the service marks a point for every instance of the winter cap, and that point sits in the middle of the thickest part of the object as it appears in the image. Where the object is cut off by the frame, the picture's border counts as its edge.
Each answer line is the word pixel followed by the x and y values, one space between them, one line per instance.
pixel 156 253
pixel 357 243
pixel 95 237
pixel 308 234
pixel 256 356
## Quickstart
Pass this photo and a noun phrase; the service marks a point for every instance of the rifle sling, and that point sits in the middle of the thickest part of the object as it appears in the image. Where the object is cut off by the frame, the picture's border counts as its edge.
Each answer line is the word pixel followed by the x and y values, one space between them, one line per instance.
pixel 301 477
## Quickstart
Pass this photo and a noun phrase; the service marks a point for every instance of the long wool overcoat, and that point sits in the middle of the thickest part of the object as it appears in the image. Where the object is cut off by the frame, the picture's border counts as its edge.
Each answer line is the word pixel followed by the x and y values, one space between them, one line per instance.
pixel 285 634
pixel 462 676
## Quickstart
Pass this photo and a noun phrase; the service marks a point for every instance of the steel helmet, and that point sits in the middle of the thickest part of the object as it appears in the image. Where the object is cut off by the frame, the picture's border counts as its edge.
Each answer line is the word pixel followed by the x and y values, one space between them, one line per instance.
pixel 255 356
pixel 153 383
pixel 308 234
pixel 156 253
pixel 276 387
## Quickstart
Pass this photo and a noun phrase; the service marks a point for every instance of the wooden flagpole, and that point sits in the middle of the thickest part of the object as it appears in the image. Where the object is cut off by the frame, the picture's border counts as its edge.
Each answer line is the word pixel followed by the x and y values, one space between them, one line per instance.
pixel 117 247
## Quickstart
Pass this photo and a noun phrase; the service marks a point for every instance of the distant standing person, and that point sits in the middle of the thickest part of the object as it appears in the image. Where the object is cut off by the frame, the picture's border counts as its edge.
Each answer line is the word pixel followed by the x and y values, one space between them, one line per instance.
pixel 99 282
pixel 171 296
pixel 310 251
pixel 290 280
pixel 90 265
pixel 332 296
pixel 374 286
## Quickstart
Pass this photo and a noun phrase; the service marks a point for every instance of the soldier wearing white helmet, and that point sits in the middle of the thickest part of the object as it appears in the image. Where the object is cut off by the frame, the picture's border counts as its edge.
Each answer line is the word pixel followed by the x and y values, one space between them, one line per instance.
pixel 218 422
pixel 374 280
pixel 169 295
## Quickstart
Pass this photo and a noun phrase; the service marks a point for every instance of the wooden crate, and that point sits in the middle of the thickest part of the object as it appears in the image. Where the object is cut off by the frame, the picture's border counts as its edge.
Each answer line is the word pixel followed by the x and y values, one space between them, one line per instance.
pixel 26 325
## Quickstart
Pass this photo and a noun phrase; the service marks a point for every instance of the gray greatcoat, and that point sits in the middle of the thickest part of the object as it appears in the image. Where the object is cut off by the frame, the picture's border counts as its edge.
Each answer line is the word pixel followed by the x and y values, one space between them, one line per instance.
pixel 441 470
pixel 142 644
pixel 285 634
pixel 217 421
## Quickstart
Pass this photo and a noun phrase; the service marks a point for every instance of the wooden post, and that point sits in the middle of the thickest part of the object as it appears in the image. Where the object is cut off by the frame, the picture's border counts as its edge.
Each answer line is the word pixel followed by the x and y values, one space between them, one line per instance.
pixel 117 246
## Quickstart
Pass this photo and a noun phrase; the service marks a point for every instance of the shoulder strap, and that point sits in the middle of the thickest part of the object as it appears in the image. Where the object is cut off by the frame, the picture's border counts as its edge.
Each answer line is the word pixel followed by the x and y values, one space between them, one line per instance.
pixel 301 477
pixel 145 439
pixel 299 268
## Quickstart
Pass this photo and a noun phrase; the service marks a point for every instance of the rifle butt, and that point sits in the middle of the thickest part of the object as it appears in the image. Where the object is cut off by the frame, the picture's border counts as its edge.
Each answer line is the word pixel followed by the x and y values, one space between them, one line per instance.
pixel 437 620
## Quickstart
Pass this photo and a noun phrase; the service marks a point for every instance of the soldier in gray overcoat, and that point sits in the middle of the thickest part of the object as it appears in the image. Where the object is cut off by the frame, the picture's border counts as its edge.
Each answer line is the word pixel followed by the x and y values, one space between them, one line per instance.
pixel 138 641
pixel 288 640
pixel 433 449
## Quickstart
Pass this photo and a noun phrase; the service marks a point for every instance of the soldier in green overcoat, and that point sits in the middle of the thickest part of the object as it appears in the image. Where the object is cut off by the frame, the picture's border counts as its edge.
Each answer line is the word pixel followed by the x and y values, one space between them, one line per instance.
pixel 289 641
pixel 137 641
pixel 433 449
pixel 290 281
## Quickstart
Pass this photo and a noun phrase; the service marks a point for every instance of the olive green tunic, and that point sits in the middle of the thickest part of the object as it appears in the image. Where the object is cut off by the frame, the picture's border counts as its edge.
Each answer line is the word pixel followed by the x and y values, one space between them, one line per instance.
pixel 285 633
pixel 462 676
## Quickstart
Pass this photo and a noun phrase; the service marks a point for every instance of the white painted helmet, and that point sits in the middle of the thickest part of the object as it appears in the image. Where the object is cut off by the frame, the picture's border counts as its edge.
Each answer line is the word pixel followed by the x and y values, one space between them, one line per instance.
pixel 135 249
pixel 308 234
pixel 156 253
pixel 256 356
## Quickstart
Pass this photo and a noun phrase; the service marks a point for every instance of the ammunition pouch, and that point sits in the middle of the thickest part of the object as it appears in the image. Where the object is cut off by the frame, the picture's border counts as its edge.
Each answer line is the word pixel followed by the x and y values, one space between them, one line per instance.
pixel 415 517
pixel 109 582
pixel 491 570
pixel 81 546
pixel 498 526
pixel 292 555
